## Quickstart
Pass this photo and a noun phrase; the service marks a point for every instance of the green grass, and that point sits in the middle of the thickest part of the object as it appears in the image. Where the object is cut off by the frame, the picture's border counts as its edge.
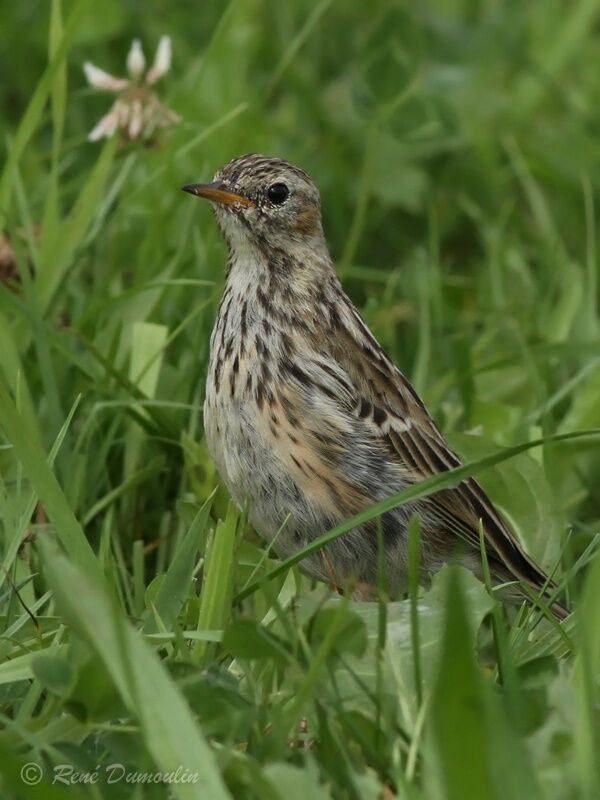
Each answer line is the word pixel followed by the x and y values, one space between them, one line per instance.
pixel 143 623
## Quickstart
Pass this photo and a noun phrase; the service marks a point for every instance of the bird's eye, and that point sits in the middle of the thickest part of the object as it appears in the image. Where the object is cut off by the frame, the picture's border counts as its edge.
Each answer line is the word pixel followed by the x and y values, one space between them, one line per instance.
pixel 278 193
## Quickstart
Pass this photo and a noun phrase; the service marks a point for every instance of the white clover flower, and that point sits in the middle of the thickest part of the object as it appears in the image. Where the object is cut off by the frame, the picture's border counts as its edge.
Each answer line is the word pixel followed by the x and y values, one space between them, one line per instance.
pixel 137 112
pixel 162 61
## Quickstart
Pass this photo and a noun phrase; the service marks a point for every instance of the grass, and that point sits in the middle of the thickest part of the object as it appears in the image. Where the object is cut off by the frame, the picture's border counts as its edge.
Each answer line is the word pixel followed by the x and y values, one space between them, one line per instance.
pixel 144 625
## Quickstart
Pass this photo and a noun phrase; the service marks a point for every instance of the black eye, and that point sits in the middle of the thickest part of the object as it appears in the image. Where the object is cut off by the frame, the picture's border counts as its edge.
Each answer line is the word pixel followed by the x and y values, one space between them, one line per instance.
pixel 278 193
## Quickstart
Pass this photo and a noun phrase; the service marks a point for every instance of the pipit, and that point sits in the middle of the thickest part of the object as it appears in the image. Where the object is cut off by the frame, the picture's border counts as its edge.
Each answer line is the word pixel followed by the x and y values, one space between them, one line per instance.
pixel 306 416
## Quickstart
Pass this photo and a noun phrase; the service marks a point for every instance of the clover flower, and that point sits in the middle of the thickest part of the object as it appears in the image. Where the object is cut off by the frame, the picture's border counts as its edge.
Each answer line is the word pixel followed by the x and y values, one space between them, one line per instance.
pixel 137 112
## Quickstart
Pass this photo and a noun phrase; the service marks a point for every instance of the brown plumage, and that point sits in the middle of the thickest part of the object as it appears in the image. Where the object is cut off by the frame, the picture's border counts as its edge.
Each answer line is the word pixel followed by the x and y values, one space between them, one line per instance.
pixel 306 416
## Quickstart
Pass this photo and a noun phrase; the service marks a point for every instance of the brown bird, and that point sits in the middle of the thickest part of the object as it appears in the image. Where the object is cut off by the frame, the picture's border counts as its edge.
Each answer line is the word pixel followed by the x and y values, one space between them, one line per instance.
pixel 308 419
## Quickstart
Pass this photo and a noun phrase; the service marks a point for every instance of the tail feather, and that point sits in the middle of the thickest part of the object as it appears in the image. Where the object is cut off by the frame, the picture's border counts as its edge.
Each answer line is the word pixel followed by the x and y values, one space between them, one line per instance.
pixel 507 552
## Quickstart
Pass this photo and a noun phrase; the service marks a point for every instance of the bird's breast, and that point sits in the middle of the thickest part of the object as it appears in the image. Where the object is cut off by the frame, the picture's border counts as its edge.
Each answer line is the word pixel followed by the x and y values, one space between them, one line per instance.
pixel 240 426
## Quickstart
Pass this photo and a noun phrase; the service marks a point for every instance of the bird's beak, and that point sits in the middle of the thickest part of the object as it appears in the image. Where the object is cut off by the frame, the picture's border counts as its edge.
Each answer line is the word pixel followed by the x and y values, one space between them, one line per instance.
pixel 217 193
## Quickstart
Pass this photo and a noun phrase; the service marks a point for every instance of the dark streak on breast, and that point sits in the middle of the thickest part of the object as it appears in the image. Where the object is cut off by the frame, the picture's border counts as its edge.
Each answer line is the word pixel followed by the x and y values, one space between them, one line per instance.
pixel 365 408
pixel 296 372
pixel 243 320
pixel 379 415
pixel 297 463
pixel 263 299
pixel 259 395
pixel 288 410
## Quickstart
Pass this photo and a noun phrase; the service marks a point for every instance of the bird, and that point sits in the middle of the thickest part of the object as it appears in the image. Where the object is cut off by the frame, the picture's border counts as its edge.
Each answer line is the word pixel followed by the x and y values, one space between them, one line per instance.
pixel 308 419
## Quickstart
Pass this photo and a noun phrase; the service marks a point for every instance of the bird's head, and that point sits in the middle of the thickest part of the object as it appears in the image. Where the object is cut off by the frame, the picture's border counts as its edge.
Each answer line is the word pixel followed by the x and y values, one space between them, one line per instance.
pixel 266 203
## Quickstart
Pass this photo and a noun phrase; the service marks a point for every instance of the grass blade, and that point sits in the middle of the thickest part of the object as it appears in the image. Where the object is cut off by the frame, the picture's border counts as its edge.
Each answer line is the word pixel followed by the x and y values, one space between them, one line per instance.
pixel 169 729
pixel 31 455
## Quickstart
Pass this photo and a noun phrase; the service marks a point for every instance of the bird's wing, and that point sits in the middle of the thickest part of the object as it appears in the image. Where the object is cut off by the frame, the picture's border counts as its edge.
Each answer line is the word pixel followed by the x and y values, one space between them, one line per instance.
pixel 387 400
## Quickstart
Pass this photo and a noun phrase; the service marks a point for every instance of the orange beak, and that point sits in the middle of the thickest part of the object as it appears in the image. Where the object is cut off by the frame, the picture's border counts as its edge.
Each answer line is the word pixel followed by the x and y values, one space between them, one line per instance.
pixel 217 193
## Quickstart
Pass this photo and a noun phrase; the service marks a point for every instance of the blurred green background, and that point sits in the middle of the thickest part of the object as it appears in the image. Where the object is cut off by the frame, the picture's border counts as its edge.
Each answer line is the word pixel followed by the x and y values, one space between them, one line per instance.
pixel 457 149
